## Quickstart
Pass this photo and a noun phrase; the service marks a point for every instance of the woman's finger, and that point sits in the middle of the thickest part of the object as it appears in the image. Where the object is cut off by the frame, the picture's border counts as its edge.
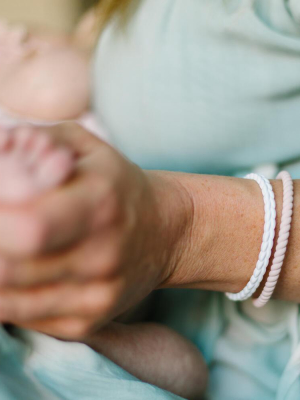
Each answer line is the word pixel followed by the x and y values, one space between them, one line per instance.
pixel 75 329
pixel 89 300
pixel 75 137
pixel 97 257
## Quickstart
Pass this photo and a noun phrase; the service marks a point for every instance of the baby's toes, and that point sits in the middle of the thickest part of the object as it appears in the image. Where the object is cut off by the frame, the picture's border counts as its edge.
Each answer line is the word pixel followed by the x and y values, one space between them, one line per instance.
pixel 41 145
pixel 30 145
pixel 55 168
pixel 23 139
pixel 5 140
pixel 17 184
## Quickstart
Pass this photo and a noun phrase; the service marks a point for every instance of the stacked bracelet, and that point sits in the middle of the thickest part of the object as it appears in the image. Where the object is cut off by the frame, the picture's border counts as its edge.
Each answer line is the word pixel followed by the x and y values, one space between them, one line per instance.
pixel 267 243
pixel 283 237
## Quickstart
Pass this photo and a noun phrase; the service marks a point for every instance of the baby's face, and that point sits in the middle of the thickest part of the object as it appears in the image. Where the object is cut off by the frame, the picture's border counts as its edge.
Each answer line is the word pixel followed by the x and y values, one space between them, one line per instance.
pixel 17 43
pixel 58 69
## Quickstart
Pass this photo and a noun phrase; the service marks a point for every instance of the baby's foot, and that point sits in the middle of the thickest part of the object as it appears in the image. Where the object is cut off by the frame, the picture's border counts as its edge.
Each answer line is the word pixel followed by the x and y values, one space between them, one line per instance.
pixel 30 164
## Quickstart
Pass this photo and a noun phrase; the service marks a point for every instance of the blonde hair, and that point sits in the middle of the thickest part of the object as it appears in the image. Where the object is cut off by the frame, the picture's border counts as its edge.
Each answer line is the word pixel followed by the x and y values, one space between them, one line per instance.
pixel 107 9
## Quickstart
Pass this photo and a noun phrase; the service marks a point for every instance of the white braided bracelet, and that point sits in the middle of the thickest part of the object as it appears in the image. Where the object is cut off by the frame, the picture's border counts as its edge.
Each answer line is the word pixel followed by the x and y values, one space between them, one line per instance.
pixel 282 242
pixel 267 243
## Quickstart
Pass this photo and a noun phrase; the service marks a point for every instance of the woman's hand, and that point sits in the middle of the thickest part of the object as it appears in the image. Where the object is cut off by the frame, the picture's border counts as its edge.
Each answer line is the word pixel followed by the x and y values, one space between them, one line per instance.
pixel 86 252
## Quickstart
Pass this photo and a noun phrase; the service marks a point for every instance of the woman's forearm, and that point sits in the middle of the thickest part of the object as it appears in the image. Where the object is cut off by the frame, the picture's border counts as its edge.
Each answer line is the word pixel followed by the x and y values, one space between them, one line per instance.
pixel 215 226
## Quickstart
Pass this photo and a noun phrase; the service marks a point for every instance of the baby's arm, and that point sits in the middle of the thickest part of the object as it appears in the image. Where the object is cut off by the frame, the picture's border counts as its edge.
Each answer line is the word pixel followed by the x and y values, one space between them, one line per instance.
pixel 154 354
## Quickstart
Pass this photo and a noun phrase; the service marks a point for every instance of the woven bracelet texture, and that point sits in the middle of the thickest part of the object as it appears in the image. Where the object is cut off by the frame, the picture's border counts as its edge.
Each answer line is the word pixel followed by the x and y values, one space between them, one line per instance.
pixel 282 242
pixel 267 242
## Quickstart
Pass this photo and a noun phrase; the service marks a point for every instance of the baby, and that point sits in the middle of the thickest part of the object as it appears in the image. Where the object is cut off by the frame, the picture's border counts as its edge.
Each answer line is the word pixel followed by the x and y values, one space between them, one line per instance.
pixel 30 164
pixel 53 72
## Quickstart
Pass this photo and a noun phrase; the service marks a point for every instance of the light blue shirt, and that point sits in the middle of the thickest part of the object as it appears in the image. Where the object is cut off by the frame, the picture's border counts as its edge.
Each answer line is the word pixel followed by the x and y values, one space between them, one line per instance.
pixel 203 85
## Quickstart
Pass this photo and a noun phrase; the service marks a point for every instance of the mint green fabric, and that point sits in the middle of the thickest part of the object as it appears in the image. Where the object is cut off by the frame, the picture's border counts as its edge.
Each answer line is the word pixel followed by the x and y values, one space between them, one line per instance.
pixel 203 85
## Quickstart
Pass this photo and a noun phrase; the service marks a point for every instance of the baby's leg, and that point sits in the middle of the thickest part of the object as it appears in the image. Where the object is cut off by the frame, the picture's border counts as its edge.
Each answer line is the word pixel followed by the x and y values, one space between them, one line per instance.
pixel 30 164
pixel 156 355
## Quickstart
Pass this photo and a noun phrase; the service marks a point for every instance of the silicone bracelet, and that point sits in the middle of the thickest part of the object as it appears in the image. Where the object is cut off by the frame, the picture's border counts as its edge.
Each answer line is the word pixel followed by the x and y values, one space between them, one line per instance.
pixel 267 242
pixel 282 242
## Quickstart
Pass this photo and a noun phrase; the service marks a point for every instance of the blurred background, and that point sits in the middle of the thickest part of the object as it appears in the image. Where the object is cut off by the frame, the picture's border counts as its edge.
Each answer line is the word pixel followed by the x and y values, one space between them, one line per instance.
pixel 55 15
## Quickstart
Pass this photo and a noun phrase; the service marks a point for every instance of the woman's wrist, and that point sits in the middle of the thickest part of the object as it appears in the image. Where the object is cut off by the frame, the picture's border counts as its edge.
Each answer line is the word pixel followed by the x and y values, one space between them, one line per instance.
pixel 228 223
pixel 213 206
pixel 220 223
pixel 172 224
pixel 210 233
